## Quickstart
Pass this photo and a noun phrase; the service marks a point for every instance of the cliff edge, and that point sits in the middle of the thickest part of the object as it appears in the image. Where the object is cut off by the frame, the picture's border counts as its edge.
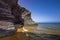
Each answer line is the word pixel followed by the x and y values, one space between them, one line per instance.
pixel 26 16
pixel 10 15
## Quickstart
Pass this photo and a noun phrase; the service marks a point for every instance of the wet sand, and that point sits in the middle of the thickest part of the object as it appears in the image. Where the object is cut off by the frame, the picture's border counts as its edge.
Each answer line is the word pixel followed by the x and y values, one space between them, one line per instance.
pixel 43 34
pixel 33 34
pixel 42 31
pixel 17 36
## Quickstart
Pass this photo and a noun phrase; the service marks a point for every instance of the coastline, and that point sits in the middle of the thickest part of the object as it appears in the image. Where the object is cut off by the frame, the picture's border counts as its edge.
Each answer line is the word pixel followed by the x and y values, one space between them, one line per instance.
pixel 42 31
pixel 33 34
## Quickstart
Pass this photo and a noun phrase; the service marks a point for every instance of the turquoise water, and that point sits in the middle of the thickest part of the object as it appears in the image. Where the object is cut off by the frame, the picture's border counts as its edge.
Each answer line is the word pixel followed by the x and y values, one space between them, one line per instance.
pixel 54 26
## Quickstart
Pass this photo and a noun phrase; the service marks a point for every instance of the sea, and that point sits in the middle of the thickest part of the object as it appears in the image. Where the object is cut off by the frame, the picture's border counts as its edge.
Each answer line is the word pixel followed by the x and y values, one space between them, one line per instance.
pixel 50 26
pixel 44 26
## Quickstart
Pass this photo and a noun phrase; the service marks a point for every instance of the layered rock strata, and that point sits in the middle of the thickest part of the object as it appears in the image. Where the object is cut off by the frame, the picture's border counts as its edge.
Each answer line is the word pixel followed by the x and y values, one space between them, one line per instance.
pixel 10 15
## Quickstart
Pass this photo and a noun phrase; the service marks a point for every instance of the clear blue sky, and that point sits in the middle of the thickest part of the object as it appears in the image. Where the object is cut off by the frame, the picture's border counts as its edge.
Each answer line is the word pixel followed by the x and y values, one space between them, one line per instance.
pixel 43 10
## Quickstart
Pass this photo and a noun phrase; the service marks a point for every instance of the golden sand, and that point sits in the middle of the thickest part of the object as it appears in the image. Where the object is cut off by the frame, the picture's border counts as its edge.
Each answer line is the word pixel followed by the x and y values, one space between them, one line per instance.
pixel 18 36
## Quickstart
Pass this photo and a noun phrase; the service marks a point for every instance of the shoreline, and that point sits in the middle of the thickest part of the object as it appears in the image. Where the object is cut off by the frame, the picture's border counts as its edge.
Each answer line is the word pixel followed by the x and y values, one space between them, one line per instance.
pixel 42 31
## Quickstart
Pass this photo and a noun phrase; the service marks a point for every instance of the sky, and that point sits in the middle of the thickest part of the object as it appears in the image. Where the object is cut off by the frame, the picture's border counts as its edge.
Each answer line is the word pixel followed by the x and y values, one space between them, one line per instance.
pixel 42 10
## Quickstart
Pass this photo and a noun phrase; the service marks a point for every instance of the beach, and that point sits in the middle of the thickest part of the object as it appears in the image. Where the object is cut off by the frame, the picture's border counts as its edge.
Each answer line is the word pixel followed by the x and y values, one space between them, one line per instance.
pixel 33 29
pixel 33 34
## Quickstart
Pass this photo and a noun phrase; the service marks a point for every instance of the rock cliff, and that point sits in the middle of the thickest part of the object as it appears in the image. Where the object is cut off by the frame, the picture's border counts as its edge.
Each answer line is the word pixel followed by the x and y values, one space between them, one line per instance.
pixel 26 16
pixel 10 14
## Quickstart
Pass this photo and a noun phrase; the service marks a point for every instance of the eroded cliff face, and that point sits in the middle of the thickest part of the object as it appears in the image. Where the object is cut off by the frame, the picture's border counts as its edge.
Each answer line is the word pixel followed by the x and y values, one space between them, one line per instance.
pixel 26 16
pixel 11 14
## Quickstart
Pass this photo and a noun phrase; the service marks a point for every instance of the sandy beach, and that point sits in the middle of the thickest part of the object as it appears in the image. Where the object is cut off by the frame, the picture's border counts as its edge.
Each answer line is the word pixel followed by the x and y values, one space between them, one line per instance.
pixel 32 32
pixel 43 31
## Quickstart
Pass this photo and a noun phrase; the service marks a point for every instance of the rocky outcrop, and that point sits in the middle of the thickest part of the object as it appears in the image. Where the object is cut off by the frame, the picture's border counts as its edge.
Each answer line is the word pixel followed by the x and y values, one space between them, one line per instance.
pixel 26 15
pixel 10 15
pixel 9 12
